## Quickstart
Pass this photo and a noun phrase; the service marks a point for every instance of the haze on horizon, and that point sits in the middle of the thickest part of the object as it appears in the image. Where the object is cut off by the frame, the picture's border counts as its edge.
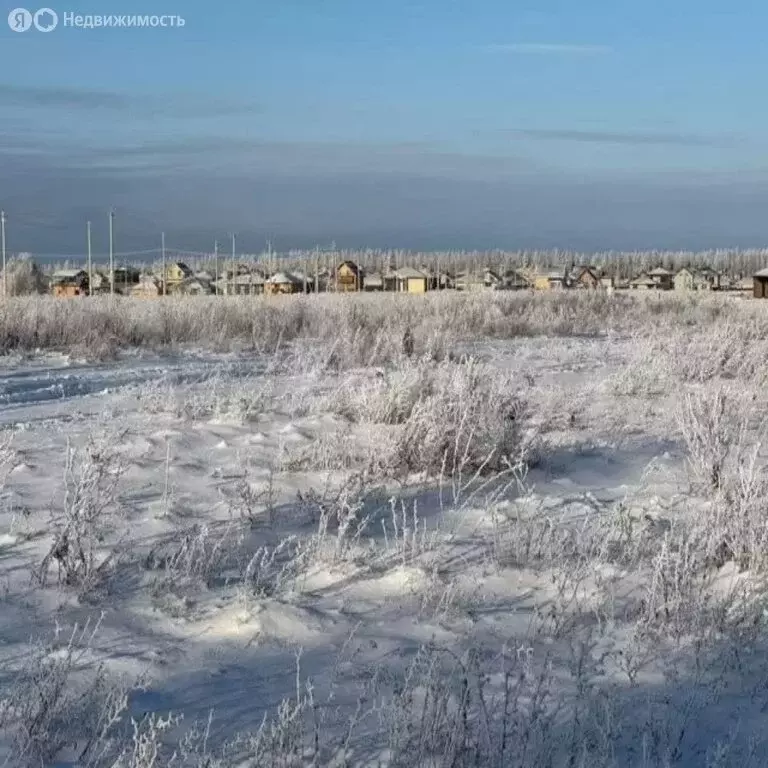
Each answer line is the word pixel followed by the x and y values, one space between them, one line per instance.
pixel 430 125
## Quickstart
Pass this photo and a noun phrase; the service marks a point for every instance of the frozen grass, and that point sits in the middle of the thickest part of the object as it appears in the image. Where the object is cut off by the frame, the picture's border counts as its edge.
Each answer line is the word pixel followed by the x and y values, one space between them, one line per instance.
pixel 369 329
pixel 414 556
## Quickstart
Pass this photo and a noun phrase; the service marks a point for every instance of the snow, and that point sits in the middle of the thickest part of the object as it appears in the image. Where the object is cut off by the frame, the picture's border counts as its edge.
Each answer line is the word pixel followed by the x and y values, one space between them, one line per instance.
pixel 449 575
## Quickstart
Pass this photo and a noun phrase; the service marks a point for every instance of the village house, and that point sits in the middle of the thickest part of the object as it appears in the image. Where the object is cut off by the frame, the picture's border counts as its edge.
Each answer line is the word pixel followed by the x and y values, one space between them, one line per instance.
pixel 148 287
pixel 283 283
pixel 643 282
pixel 99 283
pixel 237 283
pixel 67 283
pixel 191 286
pixel 585 277
pixel 125 279
pixel 550 280
pixel 347 278
pixel 410 280
pixel 662 278
pixel 486 279
pixel 696 280
pixel 373 281
pixel 251 284
pixel 760 284
pixel 514 280
pixel 175 274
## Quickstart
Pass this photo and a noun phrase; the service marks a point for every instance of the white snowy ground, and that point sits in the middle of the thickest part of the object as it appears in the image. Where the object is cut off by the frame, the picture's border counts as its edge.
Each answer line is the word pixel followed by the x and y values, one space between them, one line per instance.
pixel 222 459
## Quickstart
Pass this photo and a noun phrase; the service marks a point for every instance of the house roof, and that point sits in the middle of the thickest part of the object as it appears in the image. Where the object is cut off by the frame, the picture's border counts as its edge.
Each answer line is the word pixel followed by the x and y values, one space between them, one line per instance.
pixel 659 272
pixel 69 274
pixel 252 278
pixel 406 272
pixel 283 278
pixel 761 273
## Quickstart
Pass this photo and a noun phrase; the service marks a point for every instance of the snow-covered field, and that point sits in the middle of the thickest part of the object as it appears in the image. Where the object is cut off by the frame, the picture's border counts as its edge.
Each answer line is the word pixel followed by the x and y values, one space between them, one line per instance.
pixel 532 551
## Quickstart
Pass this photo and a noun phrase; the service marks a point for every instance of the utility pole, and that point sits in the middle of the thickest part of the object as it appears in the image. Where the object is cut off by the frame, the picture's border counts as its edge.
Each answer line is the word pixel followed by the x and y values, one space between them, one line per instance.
pixel 90 262
pixel 317 271
pixel 112 252
pixel 216 263
pixel 234 265
pixel 162 251
pixel 2 245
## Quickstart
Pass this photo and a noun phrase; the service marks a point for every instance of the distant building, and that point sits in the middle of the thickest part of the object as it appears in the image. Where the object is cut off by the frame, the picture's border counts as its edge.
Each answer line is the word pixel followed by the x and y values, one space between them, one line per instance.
pixel 696 280
pixel 283 283
pixel 191 286
pixel 585 277
pixel 643 282
pixel 67 283
pixel 550 280
pixel 410 280
pixel 760 284
pixel 662 278
pixel 347 278
pixel 373 281
pixel 148 287
pixel 175 274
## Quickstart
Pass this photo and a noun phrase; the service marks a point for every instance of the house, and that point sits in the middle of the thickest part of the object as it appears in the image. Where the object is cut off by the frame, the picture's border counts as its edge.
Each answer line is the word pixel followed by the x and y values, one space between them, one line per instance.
pixel 550 280
pixel 478 281
pixel 410 280
pixel 175 273
pixel 690 280
pixel 348 277
pixel 373 281
pixel 514 280
pixel 69 282
pixel 125 279
pixel 643 282
pixel 191 286
pixel 662 278
pixel 585 277
pixel 249 284
pixel 306 282
pixel 282 283
pixel 148 287
pixel 684 280
pixel 99 283
pixel 760 284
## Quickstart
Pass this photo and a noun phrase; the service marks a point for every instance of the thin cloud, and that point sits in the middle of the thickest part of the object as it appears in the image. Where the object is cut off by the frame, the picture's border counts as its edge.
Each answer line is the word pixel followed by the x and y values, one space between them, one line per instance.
pixel 632 138
pixel 66 97
pixel 565 49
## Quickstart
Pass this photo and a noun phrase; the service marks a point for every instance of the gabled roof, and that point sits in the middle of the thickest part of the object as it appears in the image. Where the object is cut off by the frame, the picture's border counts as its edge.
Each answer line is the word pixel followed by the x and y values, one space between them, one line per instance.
pixel 181 266
pixel 283 278
pixel 408 272
pixel 761 273
pixel 578 272
pixel 350 264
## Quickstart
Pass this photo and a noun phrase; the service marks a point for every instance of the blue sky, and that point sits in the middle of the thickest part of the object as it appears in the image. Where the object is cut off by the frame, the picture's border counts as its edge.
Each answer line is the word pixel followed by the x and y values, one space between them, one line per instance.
pixel 430 124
